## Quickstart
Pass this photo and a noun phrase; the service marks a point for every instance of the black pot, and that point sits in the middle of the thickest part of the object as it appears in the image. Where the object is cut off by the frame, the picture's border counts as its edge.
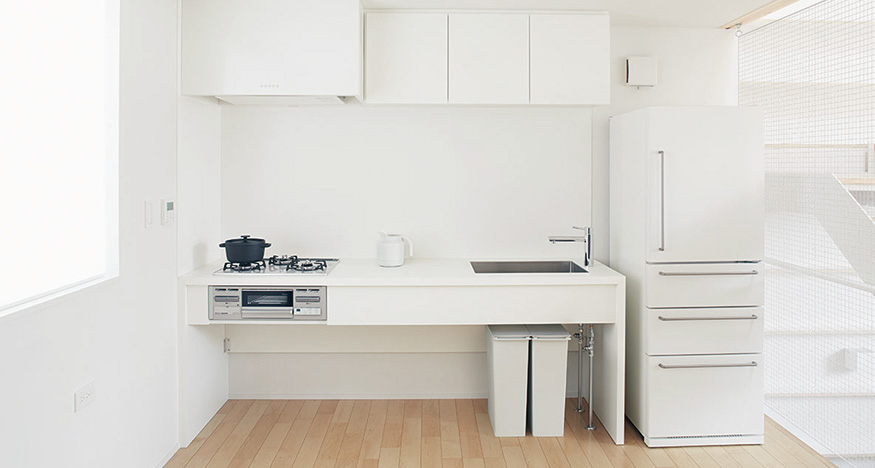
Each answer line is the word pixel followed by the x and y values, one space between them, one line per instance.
pixel 244 249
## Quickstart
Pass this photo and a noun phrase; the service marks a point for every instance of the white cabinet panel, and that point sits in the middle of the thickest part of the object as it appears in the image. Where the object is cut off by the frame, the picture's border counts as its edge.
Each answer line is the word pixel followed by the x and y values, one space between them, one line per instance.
pixel 271 47
pixel 727 330
pixel 704 395
pixel 705 184
pixel 704 285
pixel 489 58
pixel 570 59
pixel 406 58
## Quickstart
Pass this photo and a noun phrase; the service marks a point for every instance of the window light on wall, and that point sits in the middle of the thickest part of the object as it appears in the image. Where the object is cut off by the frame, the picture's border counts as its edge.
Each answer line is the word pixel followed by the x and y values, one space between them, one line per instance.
pixel 58 148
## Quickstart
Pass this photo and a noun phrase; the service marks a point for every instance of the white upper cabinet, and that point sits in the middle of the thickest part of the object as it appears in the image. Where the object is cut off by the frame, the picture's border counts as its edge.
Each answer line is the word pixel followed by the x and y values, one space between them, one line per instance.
pixel 406 58
pixel 489 58
pixel 570 59
pixel 271 48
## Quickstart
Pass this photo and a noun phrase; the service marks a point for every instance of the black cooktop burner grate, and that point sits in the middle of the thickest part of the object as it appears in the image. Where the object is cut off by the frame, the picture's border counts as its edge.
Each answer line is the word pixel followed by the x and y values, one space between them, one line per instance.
pixel 307 264
pixel 244 267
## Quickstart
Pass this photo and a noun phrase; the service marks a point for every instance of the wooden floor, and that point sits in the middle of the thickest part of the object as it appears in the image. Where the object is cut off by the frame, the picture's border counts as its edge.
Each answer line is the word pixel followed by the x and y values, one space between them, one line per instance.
pixel 443 434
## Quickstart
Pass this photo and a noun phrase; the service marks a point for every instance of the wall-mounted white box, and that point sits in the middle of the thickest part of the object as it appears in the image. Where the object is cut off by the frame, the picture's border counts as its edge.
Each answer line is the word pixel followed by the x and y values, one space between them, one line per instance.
pixel 641 71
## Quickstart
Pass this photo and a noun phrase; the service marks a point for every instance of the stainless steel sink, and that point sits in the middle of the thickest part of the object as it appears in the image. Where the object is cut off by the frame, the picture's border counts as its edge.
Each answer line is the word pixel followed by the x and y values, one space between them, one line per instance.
pixel 527 267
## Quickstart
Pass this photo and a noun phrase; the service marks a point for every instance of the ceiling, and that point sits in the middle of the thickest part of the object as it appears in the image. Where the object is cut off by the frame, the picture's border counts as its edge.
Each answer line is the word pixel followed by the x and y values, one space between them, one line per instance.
pixel 690 13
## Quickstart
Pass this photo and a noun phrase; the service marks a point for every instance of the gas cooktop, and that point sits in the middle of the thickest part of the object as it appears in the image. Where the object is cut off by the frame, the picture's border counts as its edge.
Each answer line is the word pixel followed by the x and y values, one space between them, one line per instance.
pixel 281 265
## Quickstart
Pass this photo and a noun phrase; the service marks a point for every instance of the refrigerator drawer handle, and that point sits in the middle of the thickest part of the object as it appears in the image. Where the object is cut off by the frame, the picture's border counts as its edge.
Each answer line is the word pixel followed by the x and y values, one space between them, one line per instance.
pixel 705 366
pixel 684 319
pixel 709 273
pixel 661 200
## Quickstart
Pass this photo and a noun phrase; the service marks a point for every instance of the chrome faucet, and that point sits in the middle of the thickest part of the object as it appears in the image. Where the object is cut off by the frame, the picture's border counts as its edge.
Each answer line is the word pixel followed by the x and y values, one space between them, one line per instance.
pixel 586 237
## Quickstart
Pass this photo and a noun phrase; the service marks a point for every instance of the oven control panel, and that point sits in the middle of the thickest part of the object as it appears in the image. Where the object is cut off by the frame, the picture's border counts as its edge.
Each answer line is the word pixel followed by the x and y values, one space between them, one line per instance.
pixel 298 303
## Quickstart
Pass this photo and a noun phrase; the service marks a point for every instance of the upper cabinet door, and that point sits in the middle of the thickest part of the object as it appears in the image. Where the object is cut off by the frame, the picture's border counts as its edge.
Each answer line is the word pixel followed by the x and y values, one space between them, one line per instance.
pixel 406 58
pixel 489 58
pixel 570 59
pixel 704 198
pixel 271 47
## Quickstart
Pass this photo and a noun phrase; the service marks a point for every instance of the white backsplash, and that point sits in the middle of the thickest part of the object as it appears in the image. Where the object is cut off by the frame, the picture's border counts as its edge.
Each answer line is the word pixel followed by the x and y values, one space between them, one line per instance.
pixel 460 182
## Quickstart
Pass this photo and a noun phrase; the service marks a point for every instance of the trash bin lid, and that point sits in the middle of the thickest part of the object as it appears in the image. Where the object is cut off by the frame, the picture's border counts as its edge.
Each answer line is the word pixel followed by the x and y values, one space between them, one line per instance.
pixel 548 332
pixel 507 332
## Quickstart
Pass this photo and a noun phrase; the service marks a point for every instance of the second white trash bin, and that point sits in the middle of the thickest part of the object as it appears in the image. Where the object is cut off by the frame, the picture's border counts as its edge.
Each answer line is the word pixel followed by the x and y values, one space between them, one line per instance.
pixel 507 362
pixel 547 370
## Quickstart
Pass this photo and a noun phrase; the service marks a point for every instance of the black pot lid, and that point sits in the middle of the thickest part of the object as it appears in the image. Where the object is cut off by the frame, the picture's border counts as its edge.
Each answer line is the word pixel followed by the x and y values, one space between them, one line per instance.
pixel 244 239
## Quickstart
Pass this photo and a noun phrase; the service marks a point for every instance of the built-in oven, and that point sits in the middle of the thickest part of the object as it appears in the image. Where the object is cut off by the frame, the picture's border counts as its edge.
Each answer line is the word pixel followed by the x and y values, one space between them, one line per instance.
pixel 304 303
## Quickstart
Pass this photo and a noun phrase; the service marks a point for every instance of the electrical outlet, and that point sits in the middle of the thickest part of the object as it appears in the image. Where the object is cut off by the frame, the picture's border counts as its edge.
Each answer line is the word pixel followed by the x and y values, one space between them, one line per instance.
pixel 83 397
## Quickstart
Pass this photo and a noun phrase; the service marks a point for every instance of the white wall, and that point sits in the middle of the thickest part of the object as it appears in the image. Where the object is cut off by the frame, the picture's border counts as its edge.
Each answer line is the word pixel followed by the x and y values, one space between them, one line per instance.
pixel 460 182
pixel 120 334
pixel 697 66
pixel 199 169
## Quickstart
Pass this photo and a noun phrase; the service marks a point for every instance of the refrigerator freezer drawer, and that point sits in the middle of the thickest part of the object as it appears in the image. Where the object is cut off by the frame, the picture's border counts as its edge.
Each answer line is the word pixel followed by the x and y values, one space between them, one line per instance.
pixel 704 285
pixel 728 330
pixel 695 396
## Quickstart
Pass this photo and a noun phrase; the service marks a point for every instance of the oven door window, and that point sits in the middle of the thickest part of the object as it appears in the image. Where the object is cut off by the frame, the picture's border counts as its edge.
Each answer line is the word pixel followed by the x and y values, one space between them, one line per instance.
pixel 267 299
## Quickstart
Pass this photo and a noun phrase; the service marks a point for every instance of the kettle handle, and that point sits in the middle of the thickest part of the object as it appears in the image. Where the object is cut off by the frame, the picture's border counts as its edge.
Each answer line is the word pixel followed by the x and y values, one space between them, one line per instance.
pixel 409 244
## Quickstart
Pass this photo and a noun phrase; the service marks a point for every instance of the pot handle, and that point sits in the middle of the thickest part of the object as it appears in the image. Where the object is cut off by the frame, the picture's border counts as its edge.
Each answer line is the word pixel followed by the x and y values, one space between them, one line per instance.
pixel 222 244
pixel 266 245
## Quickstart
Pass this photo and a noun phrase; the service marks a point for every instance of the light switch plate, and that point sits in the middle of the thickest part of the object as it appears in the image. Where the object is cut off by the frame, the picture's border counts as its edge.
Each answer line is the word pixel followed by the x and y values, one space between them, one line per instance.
pixel 147 214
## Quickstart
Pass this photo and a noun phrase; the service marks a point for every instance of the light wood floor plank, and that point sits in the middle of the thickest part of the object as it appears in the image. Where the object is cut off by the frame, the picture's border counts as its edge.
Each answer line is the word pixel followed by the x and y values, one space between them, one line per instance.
pixel 394 423
pixel 489 444
pixel 431 421
pixel 430 456
pixel 532 452
pixel 411 438
pixel 553 452
pixel 217 439
pixel 309 451
pixel 296 434
pixel 374 430
pixel 389 457
pixel 445 434
pixel 450 444
pixel 247 452
pixel 358 419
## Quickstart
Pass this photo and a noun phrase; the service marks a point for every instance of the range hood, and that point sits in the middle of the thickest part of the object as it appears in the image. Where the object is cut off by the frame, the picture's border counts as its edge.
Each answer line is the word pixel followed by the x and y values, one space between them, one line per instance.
pixel 272 52
pixel 287 101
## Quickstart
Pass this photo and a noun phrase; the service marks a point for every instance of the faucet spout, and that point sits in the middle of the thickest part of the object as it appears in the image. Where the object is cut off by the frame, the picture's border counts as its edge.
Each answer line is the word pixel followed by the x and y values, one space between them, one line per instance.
pixel 587 238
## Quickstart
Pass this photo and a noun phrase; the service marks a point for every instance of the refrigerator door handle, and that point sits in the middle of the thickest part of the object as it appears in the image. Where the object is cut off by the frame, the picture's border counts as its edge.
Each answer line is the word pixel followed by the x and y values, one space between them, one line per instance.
pixel 708 273
pixel 704 366
pixel 686 319
pixel 661 200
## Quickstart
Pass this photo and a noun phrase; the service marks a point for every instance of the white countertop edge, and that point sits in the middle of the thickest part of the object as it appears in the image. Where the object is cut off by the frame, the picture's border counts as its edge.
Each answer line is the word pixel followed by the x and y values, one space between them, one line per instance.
pixel 422 272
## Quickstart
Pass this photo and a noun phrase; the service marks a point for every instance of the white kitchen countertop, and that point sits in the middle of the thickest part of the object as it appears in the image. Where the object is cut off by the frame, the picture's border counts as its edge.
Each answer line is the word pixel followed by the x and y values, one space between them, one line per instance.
pixel 414 272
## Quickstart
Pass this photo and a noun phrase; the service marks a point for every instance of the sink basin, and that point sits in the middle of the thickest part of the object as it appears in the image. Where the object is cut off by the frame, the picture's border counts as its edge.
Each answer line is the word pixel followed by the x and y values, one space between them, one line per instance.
pixel 527 267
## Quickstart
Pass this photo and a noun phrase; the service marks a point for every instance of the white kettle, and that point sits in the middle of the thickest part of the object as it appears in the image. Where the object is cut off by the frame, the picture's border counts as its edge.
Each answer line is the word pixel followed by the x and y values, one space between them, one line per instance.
pixel 390 249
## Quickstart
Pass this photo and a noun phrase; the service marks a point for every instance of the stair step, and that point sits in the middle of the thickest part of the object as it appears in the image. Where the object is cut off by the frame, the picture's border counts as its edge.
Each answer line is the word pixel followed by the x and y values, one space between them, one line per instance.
pixel 858 180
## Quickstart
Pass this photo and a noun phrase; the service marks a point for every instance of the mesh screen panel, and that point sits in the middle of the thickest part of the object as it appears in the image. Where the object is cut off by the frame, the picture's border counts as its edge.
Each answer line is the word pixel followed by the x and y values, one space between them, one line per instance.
pixel 813 73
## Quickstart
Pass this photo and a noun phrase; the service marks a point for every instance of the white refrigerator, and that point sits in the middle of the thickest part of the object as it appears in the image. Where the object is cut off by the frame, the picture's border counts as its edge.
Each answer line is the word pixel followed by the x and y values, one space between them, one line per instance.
pixel 687 232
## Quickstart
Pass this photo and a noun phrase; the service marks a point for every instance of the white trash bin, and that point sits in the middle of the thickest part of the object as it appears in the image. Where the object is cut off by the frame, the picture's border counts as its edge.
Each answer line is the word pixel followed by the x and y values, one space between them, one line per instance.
pixel 547 370
pixel 507 361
